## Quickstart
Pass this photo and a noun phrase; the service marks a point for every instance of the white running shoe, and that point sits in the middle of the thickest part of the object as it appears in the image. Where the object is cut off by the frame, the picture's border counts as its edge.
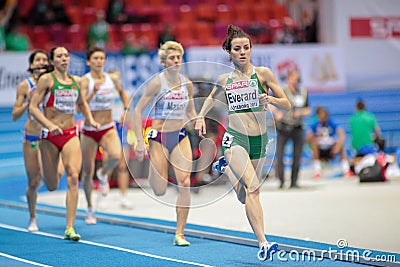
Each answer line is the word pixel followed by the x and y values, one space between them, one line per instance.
pixel 90 218
pixel 267 250
pixel 125 204
pixel 103 179
pixel 32 227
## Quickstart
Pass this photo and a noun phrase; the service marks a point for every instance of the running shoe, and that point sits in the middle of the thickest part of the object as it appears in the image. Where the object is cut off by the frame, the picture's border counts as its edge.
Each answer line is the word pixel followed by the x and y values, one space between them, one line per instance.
pixel 90 218
pixel 317 175
pixel 267 250
pixel 71 235
pixel 220 165
pixel 348 174
pixel 125 204
pixel 103 179
pixel 180 241
pixel 32 227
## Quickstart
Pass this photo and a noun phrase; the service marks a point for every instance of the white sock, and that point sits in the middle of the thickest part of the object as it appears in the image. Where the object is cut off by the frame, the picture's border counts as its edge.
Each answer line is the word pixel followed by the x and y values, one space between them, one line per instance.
pixel 345 165
pixel 317 166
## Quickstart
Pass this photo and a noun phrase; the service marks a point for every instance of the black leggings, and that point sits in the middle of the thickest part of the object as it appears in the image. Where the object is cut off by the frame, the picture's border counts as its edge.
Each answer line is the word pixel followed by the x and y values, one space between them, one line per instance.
pixel 297 136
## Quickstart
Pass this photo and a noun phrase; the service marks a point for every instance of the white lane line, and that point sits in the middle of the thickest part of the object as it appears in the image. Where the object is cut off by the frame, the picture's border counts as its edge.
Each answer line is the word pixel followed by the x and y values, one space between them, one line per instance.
pixel 10 227
pixel 23 260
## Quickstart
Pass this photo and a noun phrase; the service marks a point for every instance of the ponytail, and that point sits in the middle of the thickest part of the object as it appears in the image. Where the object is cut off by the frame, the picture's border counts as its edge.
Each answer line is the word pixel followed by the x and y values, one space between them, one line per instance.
pixel 234 32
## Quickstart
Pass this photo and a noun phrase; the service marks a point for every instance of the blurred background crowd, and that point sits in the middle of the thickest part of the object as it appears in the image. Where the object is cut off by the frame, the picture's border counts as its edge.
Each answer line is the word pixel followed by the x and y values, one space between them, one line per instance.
pixel 138 26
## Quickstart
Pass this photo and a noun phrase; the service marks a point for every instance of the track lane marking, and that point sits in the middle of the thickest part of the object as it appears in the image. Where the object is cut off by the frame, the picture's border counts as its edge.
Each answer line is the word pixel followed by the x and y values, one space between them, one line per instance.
pixel 10 227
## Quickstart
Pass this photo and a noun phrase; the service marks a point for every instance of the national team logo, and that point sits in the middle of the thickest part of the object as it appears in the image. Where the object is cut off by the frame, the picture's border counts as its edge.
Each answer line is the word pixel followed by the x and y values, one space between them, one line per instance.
pixel 253 83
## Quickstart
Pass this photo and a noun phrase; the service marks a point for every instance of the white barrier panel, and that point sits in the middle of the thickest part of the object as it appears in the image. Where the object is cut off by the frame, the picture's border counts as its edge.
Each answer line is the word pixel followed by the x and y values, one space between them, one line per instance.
pixel 13 70
pixel 369 33
pixel 321 66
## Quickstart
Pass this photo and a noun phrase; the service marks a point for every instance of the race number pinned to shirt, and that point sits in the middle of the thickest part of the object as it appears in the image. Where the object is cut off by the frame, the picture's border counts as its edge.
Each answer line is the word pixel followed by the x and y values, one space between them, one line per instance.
pixel 64 100
pixel 175 104
pixel 242 95
pixel 227 140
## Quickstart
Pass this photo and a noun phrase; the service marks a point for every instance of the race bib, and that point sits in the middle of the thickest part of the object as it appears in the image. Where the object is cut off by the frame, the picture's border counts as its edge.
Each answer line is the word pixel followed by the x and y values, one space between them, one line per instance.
pixel 174 105
pixel 227 140
pixel 102 100
pixel 242 95
pixel 152 134
pixel 64 100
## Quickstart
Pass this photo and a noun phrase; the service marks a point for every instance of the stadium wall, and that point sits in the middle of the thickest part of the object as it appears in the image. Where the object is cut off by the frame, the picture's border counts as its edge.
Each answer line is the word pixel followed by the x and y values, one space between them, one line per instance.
pixel 369 33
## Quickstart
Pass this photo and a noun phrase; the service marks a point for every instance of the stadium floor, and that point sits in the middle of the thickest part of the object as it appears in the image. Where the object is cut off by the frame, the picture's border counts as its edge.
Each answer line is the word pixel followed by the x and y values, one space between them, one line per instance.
pixel 309 220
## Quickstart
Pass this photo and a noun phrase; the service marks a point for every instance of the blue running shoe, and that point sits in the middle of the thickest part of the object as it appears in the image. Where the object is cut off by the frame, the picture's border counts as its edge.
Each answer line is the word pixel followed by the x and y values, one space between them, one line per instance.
pixel 267 250
pixel 220 165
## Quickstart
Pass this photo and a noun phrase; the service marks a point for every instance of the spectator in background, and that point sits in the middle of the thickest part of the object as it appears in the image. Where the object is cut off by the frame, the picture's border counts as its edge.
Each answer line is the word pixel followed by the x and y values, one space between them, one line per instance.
pixel 133 46
pixel 98 32
pixel 166 35
pixel 46 12
pixel 289 125
pixel 288 34
pixel 16 40
pixel 364 130
pixel 7 9
pixel 116 12
pixel 310 27
pixel 60 15
pixel 327 140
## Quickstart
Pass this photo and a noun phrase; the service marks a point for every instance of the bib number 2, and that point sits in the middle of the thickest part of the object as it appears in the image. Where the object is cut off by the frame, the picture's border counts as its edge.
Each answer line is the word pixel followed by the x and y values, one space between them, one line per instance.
pixel 227 140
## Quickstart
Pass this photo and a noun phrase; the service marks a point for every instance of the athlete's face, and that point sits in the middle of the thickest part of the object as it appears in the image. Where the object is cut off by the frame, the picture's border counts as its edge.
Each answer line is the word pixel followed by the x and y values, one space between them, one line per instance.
pixel 241 51
pixel 293 79
pixel 40 60
pixel 61 59
pixel 173 59
pixel 97 61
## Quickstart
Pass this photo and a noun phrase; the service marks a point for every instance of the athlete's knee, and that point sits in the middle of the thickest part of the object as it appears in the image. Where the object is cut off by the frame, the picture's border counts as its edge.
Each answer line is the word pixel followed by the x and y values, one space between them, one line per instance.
pixel 185 182
pixel 114 158
pixel 122 167
pixel 53 186
pixel 253 190
pixel 73 179
pixel 33 183
pixel 159 191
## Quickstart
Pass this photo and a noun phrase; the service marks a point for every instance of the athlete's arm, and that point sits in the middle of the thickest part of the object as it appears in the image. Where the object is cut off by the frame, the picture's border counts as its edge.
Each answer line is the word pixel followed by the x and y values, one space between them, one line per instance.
pixel 122 94
pixel 200 125
pixel 190 110
pixel 151 91
pixel 267 78
pixel 44 83
pixel 19 106
pixel 83 105
pixel 84 88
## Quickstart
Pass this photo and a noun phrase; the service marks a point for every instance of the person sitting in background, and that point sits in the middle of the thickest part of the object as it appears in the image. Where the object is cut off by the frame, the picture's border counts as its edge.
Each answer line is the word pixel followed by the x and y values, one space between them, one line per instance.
pixel 364 131
pixel 327 140
pixel 98 33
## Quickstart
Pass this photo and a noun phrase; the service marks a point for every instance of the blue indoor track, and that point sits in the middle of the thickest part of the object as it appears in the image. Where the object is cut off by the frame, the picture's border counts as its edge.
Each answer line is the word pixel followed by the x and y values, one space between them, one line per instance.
pixel 129 241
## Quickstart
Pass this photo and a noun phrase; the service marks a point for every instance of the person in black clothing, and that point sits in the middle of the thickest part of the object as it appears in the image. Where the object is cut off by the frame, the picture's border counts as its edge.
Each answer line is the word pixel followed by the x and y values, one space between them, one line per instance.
pixel 289 125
